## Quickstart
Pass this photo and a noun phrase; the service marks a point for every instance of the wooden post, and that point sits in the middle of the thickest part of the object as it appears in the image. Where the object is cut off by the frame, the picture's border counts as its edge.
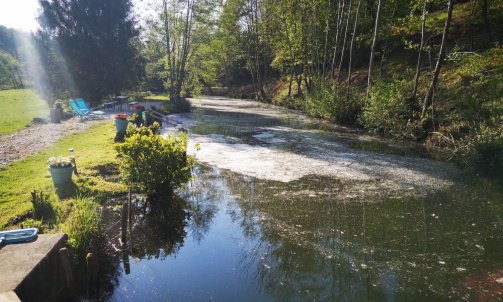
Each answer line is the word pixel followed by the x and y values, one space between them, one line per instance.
pixel 67 267
pixel 125 222
pixel 130 210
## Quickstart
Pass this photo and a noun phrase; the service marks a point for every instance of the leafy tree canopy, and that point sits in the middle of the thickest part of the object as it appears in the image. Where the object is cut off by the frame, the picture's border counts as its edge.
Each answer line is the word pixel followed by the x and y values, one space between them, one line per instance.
pixel 98 40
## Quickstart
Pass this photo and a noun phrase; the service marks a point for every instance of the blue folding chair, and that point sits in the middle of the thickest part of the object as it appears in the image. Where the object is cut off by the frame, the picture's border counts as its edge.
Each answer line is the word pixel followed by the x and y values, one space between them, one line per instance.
pixel 83 115
pixel 83 107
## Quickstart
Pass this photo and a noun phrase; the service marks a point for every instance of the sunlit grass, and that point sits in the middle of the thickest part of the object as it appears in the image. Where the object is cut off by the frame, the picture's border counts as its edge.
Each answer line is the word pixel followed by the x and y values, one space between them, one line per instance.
pixel 461 13
pixel 157 98
pixel 93 148
pixel 19 107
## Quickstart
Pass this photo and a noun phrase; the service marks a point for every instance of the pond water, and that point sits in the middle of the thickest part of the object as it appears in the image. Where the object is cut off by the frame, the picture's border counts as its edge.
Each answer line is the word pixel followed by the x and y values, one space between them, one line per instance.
pixel 239 234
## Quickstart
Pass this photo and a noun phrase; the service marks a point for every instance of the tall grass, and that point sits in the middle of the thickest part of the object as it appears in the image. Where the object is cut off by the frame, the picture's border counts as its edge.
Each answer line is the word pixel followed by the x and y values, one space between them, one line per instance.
pixel 82 222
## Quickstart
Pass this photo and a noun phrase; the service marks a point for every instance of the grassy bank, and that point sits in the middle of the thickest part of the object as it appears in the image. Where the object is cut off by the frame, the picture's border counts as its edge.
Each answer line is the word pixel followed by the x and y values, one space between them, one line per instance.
pixel 20 107
pixel 96 160
pixel 464 123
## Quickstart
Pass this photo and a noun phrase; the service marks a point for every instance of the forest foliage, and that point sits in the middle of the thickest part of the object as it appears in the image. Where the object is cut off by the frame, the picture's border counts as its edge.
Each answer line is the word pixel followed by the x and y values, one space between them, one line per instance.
pixel 424 70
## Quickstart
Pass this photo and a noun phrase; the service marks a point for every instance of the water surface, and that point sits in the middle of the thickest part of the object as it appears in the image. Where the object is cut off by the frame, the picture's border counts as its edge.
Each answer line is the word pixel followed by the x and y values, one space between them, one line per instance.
pixel 245 235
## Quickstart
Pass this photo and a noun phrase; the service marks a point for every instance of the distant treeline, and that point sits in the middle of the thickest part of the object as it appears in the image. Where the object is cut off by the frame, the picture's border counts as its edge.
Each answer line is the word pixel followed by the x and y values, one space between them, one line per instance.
pixel 427 70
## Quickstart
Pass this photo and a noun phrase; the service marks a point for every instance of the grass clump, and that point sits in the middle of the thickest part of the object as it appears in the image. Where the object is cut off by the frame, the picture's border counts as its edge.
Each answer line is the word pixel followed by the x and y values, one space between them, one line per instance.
pixel 82 217
pixel 22 106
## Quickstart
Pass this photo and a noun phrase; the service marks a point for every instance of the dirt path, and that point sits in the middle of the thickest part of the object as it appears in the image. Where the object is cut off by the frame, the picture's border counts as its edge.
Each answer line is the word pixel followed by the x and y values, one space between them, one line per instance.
pixel 39 136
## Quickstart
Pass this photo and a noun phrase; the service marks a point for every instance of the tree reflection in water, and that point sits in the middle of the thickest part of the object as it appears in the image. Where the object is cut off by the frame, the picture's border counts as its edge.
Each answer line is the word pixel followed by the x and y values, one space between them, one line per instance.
pixel 315 245
pixel 307 240
pixel 158 232
pixel 155 233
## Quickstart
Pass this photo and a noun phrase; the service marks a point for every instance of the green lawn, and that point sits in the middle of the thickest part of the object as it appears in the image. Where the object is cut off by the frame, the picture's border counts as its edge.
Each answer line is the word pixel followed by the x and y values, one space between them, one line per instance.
pixel 19 107
pixel 94 148
pixel 168 105
pixel 156 98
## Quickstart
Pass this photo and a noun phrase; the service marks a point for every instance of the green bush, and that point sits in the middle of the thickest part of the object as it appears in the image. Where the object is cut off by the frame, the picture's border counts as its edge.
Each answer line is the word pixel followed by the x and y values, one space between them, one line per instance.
pixel 334 103
pixel 321 100
pixel 176 106
pixel 83 225
pixel 349 106
pixel 388 110
pixel 155 164
pixel 487 154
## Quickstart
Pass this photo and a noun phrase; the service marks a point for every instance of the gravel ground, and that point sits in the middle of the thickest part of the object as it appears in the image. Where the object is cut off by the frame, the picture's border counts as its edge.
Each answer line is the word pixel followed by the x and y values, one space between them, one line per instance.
pixel 39 136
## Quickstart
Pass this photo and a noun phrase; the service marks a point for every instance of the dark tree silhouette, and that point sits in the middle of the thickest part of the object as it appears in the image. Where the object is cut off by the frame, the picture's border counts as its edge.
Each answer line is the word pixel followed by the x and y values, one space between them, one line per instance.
pixel 98 39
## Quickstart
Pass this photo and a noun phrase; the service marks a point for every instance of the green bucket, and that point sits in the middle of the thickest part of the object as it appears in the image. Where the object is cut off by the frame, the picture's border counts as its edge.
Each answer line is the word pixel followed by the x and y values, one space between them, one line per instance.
pixel 61 176
pixel 121 125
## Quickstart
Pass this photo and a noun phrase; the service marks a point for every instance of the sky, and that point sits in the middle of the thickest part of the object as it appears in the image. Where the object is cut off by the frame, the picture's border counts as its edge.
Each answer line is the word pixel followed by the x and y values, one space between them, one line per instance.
pixel 22 14
pixel 19 14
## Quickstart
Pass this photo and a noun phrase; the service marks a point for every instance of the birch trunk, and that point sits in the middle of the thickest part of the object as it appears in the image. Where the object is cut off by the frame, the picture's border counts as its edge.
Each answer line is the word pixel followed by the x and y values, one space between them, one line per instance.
pixel 372 50
pixel 420 51
pixel 344 40
pixel 441 55
pixel 352 43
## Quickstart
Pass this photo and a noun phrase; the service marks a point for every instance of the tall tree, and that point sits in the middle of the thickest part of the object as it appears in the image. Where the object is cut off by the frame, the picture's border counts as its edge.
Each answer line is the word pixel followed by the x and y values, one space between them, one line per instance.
pixel 420 51
pixel 485 17
pixel 386 39
pixel 441 55
pixel 327 31
pixel 10 71
pixel 178 19
pixel 339 22
pixel 372 49
pixel 99 41
pixel 344 40
pixel 352 44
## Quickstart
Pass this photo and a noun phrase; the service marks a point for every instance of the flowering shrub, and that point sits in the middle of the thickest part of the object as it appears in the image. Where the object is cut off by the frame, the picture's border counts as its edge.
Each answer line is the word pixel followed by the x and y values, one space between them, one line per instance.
pixel 121 116
pixel 60 162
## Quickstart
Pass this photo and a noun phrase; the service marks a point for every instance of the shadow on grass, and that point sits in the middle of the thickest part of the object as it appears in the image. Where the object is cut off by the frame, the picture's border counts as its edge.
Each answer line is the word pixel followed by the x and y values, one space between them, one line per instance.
pixel 68 190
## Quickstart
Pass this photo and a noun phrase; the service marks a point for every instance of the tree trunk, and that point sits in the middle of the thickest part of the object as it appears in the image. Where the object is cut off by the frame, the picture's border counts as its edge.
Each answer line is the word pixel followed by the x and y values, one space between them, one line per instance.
pixel 388 32
pixel 168 48
pixel 292 58
pixel 487 25
pixel 184 51
pixel 316 53
pixel 420 51
pixel 352 43
pixel 260 81
pixel 344 40
pixel 372 50
pixel 441 55
pixel 327 31
pixel 338 24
